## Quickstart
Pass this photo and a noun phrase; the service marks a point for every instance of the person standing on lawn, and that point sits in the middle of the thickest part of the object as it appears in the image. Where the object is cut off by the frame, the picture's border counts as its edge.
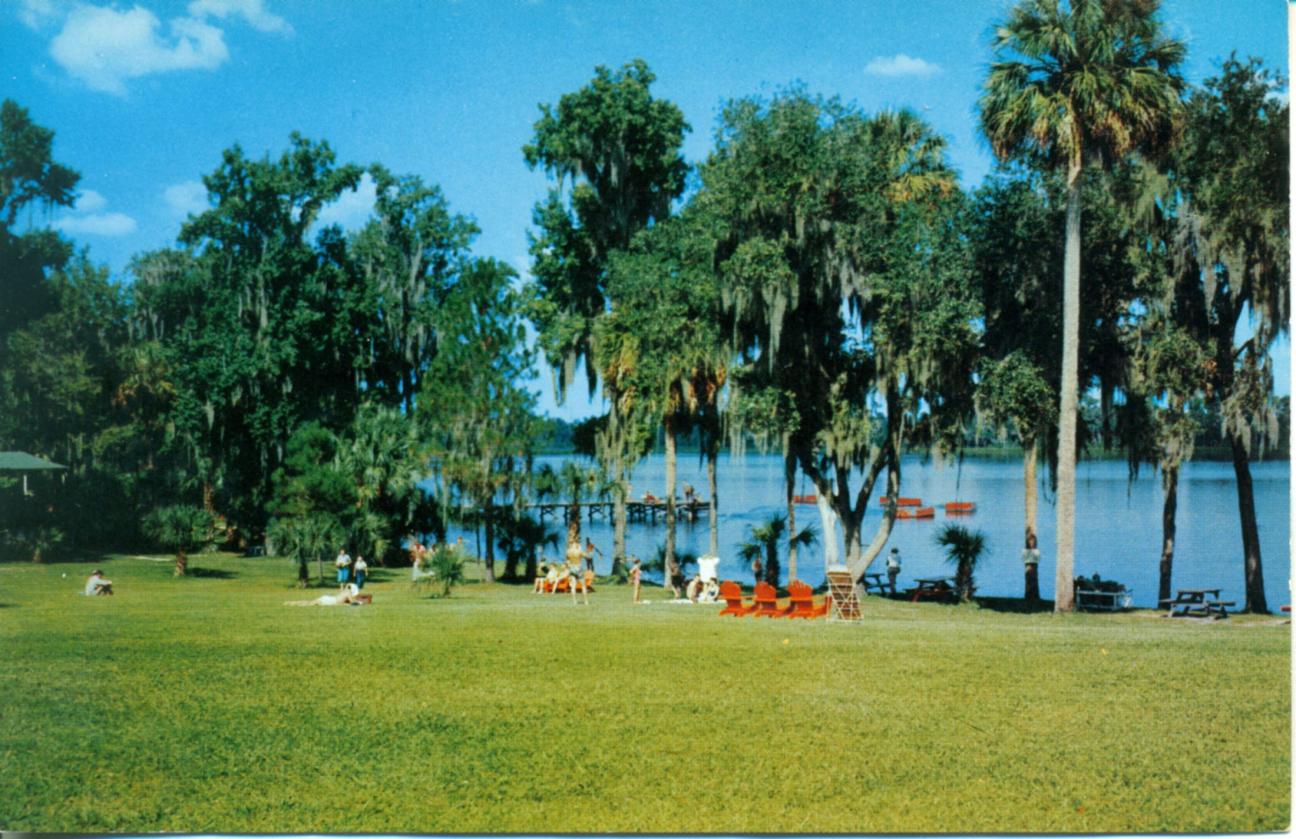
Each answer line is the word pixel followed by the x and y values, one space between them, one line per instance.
pixel 636 578
pixel 893 568
pixel 588 553
pixel 343 563
pixel 360 571
pixel 1030 559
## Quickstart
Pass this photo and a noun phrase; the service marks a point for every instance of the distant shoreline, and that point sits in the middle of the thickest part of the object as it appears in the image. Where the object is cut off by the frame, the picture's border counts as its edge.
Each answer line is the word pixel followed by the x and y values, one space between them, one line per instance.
pixel 1205 454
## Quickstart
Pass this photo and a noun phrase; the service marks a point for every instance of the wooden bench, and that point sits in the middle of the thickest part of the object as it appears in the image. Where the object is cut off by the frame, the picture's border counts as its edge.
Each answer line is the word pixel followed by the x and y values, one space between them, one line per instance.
pixel 1197 603
pixel 1105 601
pixel 875 583
pixel 935 588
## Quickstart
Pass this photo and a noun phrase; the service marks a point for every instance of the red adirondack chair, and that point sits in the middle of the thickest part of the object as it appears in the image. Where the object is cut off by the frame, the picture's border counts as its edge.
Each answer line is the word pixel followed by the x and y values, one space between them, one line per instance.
pixel 732 594
pixel 802 605
pixel 766 604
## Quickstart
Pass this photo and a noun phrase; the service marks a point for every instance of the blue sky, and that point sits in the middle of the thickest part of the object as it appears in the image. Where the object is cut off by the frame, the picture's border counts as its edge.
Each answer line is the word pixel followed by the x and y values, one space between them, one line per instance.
pixel 144 96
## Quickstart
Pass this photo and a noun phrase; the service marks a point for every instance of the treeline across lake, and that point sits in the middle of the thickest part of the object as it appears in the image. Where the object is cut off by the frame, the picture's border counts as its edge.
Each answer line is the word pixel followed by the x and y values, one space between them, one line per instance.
pixel 820 285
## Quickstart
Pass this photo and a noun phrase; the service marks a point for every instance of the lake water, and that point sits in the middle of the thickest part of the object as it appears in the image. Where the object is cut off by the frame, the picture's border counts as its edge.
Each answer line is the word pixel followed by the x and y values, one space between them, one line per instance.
pixel 1118 522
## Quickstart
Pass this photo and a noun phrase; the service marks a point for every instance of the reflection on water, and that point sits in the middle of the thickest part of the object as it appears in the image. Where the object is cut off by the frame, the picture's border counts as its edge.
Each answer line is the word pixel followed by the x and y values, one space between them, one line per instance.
pixel 1118 522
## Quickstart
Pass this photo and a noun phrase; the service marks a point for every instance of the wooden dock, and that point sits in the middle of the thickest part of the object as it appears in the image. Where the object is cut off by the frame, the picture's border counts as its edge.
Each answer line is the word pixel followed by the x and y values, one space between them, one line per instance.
pixel 643 511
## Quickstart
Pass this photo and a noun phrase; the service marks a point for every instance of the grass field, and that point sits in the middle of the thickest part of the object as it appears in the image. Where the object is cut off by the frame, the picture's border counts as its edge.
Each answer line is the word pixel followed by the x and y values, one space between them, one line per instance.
pixel 204 704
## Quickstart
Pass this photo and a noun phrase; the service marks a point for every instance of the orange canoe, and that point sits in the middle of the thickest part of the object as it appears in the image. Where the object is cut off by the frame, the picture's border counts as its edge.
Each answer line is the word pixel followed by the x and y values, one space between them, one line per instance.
pixel 918 513
pixel 955 508
pixel 804 499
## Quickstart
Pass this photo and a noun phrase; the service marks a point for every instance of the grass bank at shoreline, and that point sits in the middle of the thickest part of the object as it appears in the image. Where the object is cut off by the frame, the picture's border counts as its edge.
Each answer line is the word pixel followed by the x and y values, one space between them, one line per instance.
pixel 206 705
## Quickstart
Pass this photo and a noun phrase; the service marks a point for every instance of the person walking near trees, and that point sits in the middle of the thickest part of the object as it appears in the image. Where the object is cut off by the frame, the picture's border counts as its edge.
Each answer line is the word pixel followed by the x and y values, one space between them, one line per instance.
pixel 893 568
pixel 1031 558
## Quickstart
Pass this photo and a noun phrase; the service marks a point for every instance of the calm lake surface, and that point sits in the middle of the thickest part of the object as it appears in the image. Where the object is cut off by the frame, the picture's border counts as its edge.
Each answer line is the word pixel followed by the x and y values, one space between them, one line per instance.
pixel 1118 522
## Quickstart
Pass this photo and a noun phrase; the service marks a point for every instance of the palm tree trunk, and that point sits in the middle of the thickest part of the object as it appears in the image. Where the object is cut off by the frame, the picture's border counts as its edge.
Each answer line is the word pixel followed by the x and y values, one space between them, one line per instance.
pixel 1030 461
pixel 1255 594
pixel 615 448
pixel 668 427
pixel 489 526
pixel 182 564
pixel 771 562
pixel 789 477
pixel 1171 483
pixel 1064 581
pixel 619 527
pixel 713 510
pixel 1030 458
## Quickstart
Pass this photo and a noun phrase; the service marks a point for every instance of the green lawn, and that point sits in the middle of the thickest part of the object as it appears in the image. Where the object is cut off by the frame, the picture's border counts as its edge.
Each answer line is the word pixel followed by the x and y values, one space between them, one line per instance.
pixel 204 704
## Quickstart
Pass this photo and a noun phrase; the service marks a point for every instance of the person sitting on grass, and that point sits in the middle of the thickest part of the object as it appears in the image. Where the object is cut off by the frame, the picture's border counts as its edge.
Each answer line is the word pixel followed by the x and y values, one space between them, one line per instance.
pixel 97 584
pixel 546 576
pixel 710 592
pixel 674 579
pixel 694 589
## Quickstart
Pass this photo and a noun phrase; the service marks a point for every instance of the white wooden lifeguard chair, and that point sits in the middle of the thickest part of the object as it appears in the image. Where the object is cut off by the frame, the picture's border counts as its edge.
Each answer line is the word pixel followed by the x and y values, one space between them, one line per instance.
pixel 843 602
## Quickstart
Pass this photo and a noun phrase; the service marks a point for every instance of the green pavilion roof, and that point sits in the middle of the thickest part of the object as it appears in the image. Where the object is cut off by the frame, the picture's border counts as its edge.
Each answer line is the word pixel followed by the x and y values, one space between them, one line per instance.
pixel 23 462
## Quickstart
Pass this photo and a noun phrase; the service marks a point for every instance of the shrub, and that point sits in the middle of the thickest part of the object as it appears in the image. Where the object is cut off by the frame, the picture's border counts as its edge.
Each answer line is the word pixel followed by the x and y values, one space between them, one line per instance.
pixel 181 528
pixel 447 563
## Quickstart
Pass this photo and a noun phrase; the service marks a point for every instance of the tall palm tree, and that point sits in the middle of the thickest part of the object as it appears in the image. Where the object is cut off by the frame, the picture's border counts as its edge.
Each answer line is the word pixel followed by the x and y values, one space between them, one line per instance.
pixel 1074 87
pixel 763 540
pixel 963 549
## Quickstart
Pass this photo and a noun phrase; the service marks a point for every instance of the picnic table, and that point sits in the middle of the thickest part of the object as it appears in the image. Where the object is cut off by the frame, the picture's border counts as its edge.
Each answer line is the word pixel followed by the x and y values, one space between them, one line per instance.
pixel 874 583
pixel 1196 603
pixel 932 588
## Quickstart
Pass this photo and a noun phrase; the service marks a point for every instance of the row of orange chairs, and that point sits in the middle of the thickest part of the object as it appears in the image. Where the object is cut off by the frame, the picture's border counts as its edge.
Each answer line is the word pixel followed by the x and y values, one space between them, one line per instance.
pixel 765 601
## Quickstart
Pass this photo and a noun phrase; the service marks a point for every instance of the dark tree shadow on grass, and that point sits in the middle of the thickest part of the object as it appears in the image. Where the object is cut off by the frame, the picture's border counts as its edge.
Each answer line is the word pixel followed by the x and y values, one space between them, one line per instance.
pixel 1014 605
pixel 211 573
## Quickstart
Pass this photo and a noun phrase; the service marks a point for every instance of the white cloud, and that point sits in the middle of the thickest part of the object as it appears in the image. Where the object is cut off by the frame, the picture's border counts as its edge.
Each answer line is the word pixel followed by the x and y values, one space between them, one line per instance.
pixel 97 224
pixel 186 198
pixel 352 209
pixel 901 65
pixel 252 11
pixel 90 201
pixel 86 219
pixel 105 47
pixel 36 13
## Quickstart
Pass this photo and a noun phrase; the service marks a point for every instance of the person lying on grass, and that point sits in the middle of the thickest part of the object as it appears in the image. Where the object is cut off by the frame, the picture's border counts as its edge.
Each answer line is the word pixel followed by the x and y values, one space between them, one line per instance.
pixel 97 584
pixel 349 596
